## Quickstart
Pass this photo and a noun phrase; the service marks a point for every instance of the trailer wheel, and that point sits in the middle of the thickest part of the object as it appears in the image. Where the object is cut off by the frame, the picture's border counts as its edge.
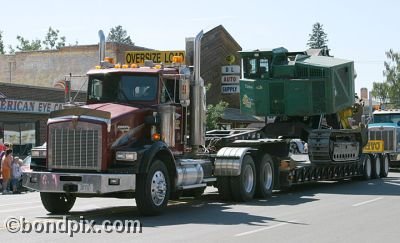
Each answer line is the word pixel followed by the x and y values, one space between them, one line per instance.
pixel 265 177
pixel 384 165
pixel 224 188
pixel 153 189
pixel 244 185
pixel 376 166
pixel 57 203
pixel 367 167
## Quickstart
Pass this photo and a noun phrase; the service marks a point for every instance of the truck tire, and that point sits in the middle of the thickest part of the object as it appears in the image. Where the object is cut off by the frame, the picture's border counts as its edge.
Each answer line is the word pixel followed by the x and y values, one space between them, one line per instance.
pixel 265 177
pixel 376 166
pixel 244 185
pixel 224 188
pixel 57 203
pixel 195 192
pixel 153 189
pixel 367 166
pixel 384 165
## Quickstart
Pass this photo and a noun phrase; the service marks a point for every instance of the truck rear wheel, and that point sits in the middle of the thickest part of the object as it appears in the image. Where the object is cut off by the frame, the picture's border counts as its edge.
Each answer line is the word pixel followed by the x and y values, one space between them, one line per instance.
pixel 243 186
pixel 265 177
pixel 384 165
pixel 57 203
pixel 153 188
pixel 376 166
pixel 367 166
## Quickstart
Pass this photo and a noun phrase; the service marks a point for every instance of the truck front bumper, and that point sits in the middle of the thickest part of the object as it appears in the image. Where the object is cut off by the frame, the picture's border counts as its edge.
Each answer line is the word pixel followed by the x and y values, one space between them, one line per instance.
pixel 79 183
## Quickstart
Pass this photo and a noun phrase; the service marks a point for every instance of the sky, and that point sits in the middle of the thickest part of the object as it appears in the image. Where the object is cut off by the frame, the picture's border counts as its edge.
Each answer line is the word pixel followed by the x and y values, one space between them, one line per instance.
pixel 358 30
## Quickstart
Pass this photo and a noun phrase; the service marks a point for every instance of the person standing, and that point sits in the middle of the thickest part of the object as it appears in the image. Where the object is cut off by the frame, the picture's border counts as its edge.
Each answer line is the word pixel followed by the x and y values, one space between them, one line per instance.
pixel 16 174
pixel 6 169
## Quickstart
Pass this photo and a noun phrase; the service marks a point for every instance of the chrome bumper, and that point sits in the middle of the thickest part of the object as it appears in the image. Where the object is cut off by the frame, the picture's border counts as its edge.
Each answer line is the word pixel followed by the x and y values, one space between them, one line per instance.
pixel 79 183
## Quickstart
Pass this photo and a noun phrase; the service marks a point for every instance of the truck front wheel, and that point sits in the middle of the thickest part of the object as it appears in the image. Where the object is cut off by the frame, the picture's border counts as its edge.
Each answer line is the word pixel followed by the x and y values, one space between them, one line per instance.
pixel 376 166
pixel 153 188
pixel 57 203
pixel 385 165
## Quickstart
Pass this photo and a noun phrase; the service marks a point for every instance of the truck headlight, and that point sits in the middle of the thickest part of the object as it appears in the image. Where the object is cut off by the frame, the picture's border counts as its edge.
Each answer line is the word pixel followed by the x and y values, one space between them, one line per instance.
pixel 126 156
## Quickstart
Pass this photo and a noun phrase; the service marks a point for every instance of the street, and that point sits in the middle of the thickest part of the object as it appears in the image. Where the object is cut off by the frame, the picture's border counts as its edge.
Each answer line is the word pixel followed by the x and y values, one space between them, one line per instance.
pixel 346 211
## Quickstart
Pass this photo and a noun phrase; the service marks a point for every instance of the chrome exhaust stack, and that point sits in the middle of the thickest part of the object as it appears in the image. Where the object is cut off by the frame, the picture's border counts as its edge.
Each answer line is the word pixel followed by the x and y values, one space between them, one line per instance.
pixel 102 46
pixel 198 106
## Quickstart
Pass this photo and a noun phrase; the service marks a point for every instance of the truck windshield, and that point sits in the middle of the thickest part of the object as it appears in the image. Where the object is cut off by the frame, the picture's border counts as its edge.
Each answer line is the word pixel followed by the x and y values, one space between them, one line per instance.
pixel 387 118
pixel 122 88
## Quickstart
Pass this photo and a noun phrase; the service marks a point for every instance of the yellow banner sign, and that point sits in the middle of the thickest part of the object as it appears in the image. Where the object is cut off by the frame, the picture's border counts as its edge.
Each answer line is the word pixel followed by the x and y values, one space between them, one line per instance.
pixel 165 57
pixel 374 146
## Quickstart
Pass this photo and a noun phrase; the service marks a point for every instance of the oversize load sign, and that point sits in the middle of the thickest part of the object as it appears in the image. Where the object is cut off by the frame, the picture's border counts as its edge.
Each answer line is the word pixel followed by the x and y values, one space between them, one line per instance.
pixel 138 57
pixel 374 146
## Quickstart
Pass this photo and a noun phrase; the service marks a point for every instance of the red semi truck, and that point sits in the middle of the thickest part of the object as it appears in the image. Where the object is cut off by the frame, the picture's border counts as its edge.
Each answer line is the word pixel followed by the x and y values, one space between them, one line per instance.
pixel 142 135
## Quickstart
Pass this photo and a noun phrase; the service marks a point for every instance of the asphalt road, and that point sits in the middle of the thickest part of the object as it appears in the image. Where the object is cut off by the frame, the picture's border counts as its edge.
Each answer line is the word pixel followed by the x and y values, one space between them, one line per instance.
pixel 347 211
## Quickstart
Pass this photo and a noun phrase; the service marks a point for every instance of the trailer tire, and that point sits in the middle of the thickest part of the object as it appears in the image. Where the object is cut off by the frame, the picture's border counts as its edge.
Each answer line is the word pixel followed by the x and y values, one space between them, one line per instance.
pixel 384 165
pixel 57 203
pixel 244 185
pixel 224 188
pixel 265 177
pixel 376 166
pixel 153 189
pixel 366 167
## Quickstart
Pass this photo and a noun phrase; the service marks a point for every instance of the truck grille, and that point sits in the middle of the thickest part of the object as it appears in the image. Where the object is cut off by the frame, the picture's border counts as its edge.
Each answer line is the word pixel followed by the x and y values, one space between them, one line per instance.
pixel 74 148
pixel 385 134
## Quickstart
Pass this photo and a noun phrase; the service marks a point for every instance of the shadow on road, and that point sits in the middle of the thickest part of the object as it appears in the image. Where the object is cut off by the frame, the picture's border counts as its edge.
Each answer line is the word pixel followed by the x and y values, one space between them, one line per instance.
pixel 211 210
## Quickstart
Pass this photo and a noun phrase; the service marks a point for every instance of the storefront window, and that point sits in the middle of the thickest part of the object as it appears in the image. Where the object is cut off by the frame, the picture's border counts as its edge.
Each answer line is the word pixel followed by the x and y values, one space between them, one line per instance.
pixel 20 135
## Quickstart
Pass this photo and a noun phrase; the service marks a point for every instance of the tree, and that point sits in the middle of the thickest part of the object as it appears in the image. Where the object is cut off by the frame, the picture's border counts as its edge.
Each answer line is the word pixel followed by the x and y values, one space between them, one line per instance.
pixel 392 74
pixel 1 43
pixel 11 50
pixel 318 37
pixel 380 91
pixel 52 40
pixel 117 34
pixel 214 114
pixel 26 45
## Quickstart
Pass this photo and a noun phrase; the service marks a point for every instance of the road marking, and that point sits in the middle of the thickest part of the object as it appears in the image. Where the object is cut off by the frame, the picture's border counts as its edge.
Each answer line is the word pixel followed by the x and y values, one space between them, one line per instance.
pixel 265 228
pixel 11 204
pixel 369 201
pixel 19 209
pixel 391 183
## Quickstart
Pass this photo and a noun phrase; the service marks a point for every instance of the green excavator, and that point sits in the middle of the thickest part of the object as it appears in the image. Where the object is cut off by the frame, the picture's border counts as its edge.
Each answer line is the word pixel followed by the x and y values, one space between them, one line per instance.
pixel 310 94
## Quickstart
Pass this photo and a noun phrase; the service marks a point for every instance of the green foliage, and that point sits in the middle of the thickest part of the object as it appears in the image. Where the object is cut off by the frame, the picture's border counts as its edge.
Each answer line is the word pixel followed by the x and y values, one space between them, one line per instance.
pixel 318 37
pixel 1 43
pixel 392 74
pixel 52 40
pixel 214 113
pixel 26 45
pixel 380 91
pixel 118 34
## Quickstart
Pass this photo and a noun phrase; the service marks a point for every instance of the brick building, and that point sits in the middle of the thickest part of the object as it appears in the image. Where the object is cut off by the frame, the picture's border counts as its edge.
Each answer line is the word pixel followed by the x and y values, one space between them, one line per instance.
pixel 31 82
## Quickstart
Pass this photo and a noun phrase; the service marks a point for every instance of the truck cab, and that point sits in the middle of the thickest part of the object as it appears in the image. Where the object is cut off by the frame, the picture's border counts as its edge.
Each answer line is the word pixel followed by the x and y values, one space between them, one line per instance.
pixel 386 126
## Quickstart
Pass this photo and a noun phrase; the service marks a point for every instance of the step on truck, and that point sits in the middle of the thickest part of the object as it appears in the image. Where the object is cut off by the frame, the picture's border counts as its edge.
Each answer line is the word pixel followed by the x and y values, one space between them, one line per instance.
pixel 142 133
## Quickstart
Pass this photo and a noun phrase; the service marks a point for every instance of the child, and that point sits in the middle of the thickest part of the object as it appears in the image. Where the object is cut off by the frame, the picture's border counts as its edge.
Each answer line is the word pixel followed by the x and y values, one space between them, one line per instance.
pixel 16 174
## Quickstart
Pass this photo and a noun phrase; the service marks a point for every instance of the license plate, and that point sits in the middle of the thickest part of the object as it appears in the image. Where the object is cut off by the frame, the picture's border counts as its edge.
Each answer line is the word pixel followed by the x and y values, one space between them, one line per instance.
pixel 85 187
pixel 374 146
